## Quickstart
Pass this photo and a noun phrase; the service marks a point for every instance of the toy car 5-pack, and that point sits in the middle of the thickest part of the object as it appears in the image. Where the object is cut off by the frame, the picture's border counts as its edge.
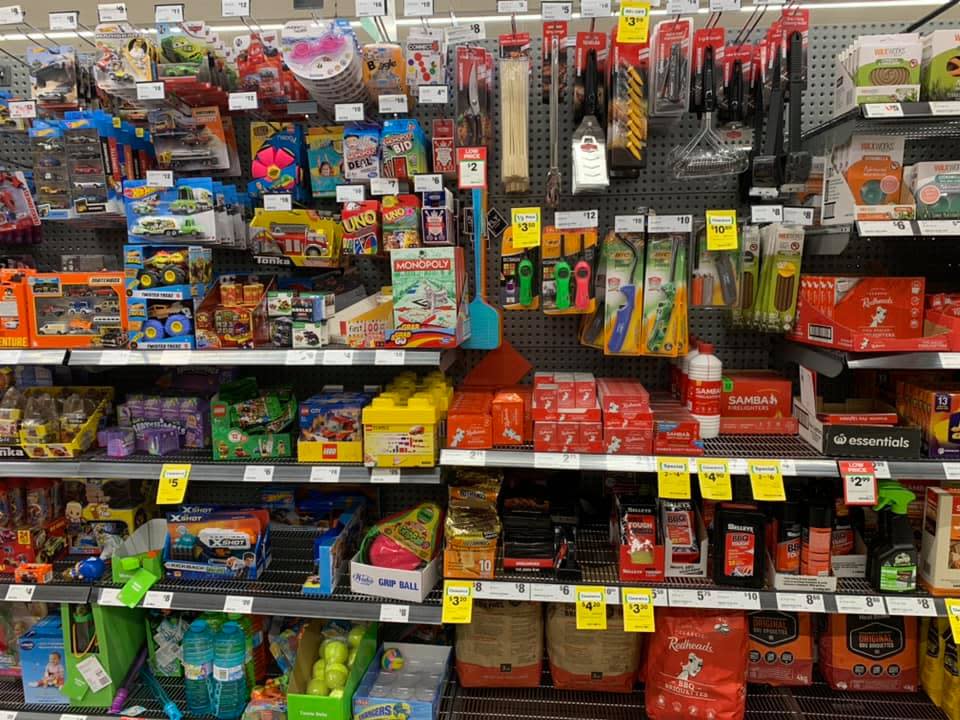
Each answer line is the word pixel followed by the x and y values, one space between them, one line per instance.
pixel 182 212
pixel 77 310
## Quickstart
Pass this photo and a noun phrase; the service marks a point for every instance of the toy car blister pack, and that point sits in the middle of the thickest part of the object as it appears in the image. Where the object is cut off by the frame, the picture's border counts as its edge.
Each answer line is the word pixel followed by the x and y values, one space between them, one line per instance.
pixel 182 212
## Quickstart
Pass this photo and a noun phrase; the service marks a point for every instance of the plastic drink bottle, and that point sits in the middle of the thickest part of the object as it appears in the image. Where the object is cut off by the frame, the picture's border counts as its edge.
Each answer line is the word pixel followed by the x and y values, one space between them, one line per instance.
pixel 230 693
pixel 197 666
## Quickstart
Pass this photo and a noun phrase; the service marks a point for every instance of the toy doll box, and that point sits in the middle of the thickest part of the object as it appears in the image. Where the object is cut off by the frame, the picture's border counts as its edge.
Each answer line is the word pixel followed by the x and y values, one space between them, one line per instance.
pixel 42 661
pixel 207 543
pixel 405 585
pixel 429 298
pixel 77 310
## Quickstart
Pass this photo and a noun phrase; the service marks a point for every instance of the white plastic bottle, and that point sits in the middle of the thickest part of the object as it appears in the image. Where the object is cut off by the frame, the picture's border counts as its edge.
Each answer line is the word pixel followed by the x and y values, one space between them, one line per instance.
pixel 706 373
pixel 678 373
pixel 685 399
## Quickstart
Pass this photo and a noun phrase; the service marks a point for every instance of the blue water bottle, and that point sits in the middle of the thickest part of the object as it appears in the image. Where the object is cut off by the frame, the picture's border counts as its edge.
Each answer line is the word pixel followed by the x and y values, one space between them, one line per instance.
pixel 198 666
pixel 230 693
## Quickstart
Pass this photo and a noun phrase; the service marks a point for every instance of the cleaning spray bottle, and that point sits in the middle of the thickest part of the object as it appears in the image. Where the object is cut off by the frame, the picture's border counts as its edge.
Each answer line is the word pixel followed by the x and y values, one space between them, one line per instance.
pixel 892 558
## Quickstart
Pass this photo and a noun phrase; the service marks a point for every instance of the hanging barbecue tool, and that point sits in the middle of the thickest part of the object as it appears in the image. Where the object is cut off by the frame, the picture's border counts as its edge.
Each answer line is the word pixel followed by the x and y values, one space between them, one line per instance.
pixel 768 166
pixel 589 142
pixel 554 179
pixel 798 163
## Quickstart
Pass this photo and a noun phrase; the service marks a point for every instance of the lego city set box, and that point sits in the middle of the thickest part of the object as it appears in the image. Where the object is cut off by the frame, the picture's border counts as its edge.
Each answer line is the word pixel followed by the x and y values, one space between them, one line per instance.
pixel 77 310
pixel 163 284
pixel 251 423
pixel 182 212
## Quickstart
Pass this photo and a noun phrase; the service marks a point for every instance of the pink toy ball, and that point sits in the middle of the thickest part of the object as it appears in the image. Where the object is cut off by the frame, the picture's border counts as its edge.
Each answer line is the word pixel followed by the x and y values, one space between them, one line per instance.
pixel 384 552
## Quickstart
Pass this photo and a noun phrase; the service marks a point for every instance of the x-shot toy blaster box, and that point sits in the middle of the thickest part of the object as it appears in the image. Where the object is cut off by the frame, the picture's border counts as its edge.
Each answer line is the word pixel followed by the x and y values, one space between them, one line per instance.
pixel 77 310
pixel 183 212
pixel 302 238
pixel 210 543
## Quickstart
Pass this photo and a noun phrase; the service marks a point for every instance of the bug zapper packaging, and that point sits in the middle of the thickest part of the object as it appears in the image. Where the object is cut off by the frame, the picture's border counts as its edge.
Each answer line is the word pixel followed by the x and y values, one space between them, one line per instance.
pixel 863 179
pixel 878 69
pixel 940 71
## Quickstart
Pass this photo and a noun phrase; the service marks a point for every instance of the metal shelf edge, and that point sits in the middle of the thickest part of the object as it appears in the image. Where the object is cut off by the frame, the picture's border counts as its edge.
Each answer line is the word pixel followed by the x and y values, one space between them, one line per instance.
pixel 265 356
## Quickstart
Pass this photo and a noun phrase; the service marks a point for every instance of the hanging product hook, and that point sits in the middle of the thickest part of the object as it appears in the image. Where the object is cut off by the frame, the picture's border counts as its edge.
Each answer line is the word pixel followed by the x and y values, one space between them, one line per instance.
pixel 38 31
pixel 85 29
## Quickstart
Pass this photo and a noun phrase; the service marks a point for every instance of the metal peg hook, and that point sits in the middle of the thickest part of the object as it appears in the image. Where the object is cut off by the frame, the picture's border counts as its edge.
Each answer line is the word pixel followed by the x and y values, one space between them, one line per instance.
pixel 87 40
pixel 55 50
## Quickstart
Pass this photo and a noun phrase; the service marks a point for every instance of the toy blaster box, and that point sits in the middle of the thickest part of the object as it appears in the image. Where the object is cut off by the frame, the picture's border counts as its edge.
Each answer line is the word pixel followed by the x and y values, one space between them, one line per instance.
pixel 182 212
pixel 208 543
pixel 429 298
pixel 77 310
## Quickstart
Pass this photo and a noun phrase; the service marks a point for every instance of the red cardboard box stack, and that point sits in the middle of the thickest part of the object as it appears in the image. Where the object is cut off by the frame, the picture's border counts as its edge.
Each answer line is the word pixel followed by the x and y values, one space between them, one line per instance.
pixel 566 415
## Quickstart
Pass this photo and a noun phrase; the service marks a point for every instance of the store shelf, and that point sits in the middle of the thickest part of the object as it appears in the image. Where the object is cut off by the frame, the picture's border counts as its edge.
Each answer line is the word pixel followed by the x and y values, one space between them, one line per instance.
pixel 52 593
pixel 203 469
pixel 831 362
pixel 911 120
pixel 266 356
pixel 797 458
pixel 32 357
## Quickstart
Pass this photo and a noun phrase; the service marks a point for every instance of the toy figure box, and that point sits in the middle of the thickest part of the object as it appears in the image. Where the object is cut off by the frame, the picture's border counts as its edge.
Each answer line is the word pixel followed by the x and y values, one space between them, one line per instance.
pixel 97 527
pixel 429 298
pixel 62 435
pixel 42 661
pixel 208 543
pixel 77 310
pixel 32 545
pixel 331 428
pixel 303 706
pixel 247 423
pixel 423 700
pixel 182 212
pixel 297 238
pixel 234 313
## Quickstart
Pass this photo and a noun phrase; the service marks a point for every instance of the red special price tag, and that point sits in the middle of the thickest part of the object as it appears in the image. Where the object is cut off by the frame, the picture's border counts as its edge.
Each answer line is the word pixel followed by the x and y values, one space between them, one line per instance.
pixel 859 482
pixel 472 168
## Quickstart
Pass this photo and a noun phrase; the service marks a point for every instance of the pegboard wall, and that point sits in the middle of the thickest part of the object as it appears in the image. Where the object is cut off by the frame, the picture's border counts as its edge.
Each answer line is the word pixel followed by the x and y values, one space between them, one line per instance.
pixel 550 342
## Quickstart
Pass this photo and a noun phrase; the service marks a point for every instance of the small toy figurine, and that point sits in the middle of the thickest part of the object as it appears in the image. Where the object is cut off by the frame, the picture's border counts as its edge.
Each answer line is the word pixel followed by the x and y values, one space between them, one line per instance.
pixel 89 570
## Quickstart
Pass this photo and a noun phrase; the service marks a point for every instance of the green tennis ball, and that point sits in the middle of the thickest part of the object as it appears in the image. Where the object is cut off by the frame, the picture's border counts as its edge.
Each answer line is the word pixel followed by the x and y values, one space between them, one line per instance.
pixel 336 651
pixel 336 693
pixel 351 657
pixel 318 667
pixel 317 687
pixel 356 635
pixel 336 675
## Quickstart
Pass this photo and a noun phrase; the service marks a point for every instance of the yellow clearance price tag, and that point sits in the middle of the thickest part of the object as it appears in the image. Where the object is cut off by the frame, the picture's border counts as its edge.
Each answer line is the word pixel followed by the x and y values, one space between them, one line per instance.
pixel 633 25
pixel 766 479
pixel 953 615
pixel 722 230
pixel 525 225
pixel 457 602
pixel 591 607
pixel 138 132
pixel 173 484
pixel 117 122
pixel 638 610
pixel 673 478
pixel 714 477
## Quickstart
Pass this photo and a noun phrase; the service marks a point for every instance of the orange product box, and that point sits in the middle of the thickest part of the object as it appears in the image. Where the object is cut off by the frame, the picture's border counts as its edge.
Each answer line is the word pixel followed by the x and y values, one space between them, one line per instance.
pixel 781 648
pixel 469 563
pixel 876 307
pixel 14 330
pixel 469 420
pixel 77 309
pixel 509 418
pixel 676 432
pixel 755 394
pixel 35 573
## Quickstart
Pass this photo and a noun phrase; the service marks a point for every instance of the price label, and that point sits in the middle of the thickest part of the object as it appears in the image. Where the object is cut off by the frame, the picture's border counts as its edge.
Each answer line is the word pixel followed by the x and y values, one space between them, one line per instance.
pixel 20 593
pixel 953 615
pixel 470 458
pixel 591 607
pixel 551 593
pixel 350 193
pixel 22 109
pixel 501 591
pixel 392 104
pixel 766 480
pixel 885 228
pixel 278 201
pixel 235 8
pixel 168 13
pixel 384 186
pixel 389 357
pixel 682 7
pixel 939 227
pixel 673 478
pixel 242 101
pixel 721 229
pixel 418 8
pixel 338 357
pixel 860 605
pixel 11 15
pixel 385 475
pixel 93 673
pixel 736 599
pixel 371 8
pixel 9 715
pixel 556 461
pixel 556 10
pixel 919 606
pixel 724 5
pixel 471 168
pixel 882 110
pixel 457 602
pixel 944 107
pixel 176 357
pixel 67 716
pixel 859 482
pixel 173 483
pixel 766 214
pixel 112 12
pixel 800 602
pixel 798 216
pixel 459 34
pixel 690 598
pixel 64 20
pixel 427 183
pixel 258 473
pixel 638 610
pixel 348 112
pixel 238 604
pixel 325 474
pixel 433 94
pixel 395 613
pixel 576 219
pixel 110 597
pixel 160 178
pixel 158 600
pixel 629 223
pixel 300 357
pixel 714 477
pixel 595 8
pixel 511 7
pixel 669 223
pixel 633 25
pixel 525 225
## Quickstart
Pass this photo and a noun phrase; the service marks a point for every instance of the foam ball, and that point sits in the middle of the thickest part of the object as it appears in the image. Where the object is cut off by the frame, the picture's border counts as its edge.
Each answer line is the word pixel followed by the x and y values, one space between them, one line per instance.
pixel 356 635
pixel 336 651
pixel 384 552
pixel 318 667
pixel 336 675
pixel 317 687
pixel 392 660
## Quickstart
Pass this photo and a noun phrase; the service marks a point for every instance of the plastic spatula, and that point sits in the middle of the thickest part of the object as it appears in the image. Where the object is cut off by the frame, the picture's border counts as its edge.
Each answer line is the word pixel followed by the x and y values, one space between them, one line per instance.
pixel 486 322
